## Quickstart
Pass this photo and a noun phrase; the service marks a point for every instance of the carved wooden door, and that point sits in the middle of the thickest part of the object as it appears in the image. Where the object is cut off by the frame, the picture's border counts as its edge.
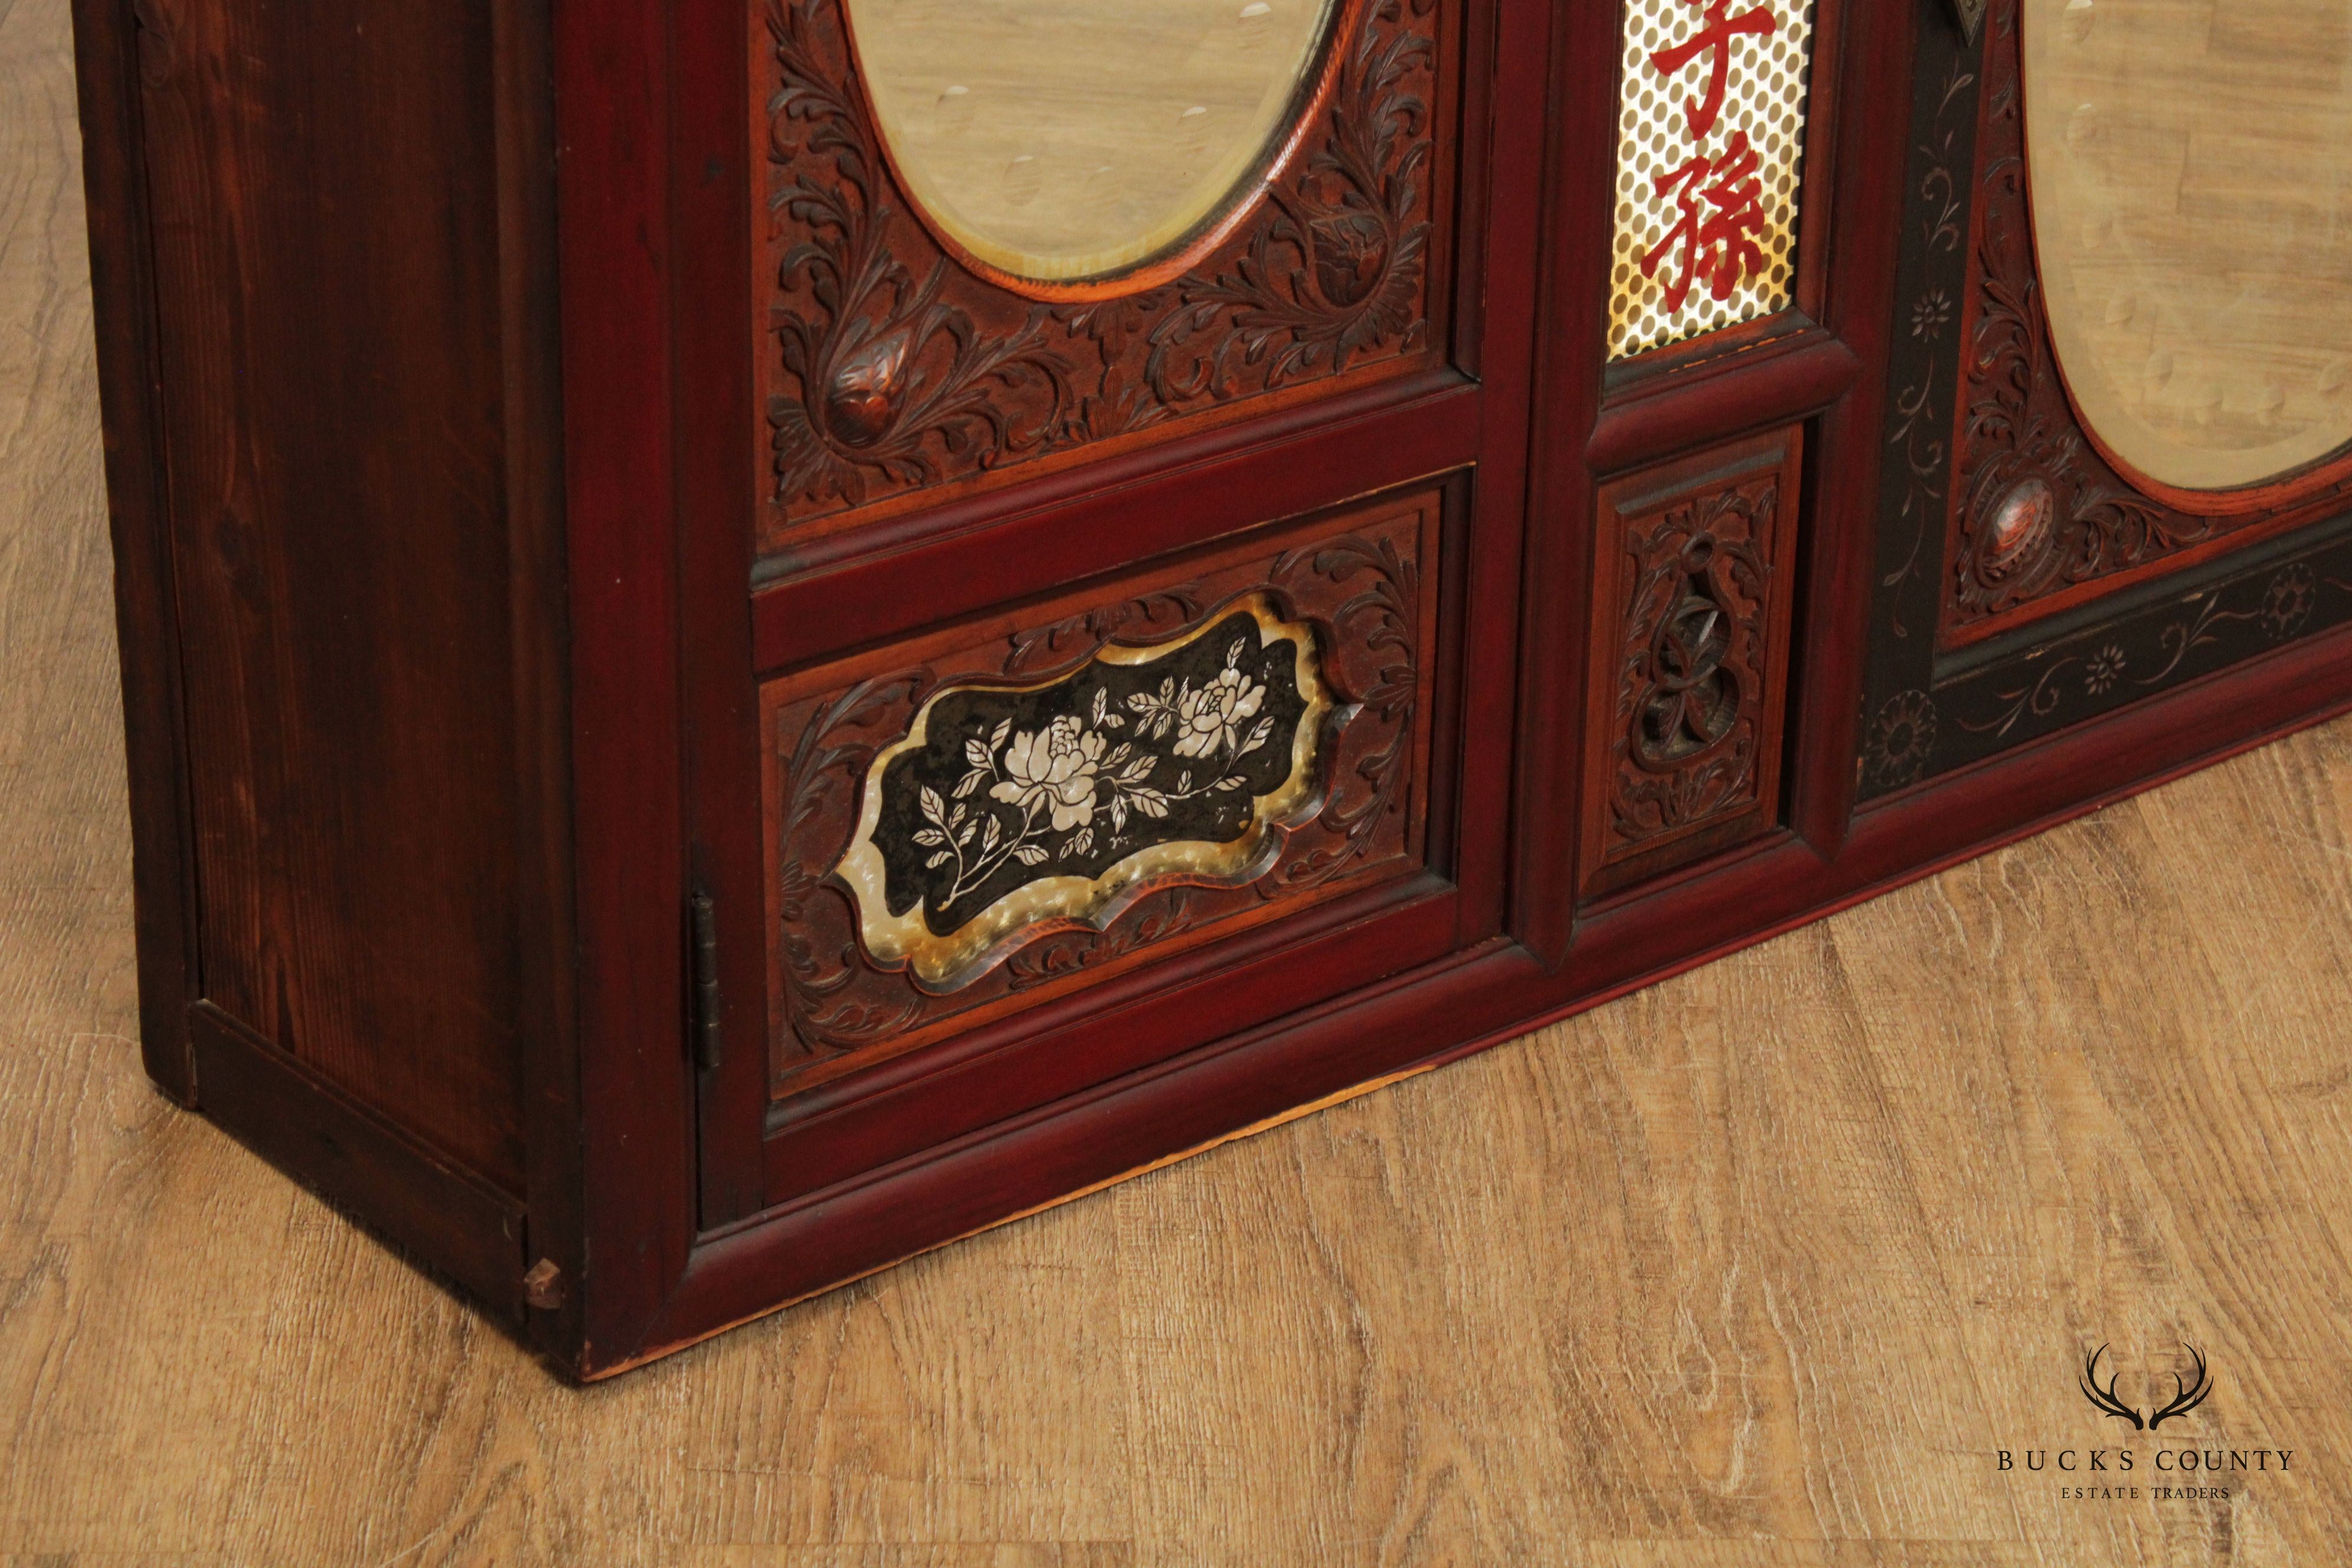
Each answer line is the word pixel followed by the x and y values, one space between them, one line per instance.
pixel 1102 543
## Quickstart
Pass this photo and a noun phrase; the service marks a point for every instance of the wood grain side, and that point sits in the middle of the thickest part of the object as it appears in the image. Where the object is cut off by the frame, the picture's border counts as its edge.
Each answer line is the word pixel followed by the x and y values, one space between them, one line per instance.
pixel 147 620
pixel 326 248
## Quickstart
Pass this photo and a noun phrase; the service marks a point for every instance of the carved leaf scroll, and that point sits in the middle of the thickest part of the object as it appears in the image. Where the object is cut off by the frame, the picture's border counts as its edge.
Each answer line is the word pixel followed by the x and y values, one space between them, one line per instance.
pixel 1358 594
pixel 891 368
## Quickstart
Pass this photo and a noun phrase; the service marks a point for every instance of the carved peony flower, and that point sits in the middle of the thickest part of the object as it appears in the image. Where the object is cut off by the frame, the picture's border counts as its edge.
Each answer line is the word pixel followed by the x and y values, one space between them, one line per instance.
pixel 1209 717
pixel 1055 766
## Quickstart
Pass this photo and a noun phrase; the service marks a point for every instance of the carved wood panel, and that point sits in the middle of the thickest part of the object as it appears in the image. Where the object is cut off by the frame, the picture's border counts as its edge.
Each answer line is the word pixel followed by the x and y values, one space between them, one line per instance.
pixel 891 372
pixel 1201 748
pixel 1693 589
pixel 2034 510
pixel 1946 688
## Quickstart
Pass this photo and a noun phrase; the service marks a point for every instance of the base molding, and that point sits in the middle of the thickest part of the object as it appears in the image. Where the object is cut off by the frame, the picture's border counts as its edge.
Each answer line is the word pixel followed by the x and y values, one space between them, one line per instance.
pixel 358 1162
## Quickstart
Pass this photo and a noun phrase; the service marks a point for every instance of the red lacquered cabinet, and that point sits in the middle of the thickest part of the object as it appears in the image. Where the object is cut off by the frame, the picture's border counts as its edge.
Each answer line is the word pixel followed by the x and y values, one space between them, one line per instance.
pixel 756 636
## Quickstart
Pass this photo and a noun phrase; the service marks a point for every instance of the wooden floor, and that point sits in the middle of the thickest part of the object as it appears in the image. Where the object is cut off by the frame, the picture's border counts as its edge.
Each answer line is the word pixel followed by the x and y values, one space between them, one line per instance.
pixel 1761 1267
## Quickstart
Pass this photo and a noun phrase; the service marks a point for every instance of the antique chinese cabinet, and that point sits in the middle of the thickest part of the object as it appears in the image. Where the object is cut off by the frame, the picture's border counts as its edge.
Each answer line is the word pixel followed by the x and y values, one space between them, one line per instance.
pixel 759 635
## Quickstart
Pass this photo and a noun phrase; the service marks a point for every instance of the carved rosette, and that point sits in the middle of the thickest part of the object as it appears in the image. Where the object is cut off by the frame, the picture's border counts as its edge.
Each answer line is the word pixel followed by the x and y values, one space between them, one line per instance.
pixel 1691 659
pixel 2034 509
pixel 1195 755
pixel 891 368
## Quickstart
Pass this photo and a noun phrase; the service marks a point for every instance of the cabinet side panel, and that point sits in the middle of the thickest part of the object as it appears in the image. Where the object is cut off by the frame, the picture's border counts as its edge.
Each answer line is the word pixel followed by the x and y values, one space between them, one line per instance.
pixel 146 623
pixel 326 254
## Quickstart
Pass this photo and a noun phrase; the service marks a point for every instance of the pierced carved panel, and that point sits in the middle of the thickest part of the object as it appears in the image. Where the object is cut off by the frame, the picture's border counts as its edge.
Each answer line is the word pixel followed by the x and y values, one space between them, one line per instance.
pixel 1693 586
pixel 1184 756
pixel 891 368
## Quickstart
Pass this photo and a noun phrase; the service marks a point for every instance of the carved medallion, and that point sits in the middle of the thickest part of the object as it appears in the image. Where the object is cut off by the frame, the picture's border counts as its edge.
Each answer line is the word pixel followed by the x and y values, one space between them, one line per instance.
pixel 1006 810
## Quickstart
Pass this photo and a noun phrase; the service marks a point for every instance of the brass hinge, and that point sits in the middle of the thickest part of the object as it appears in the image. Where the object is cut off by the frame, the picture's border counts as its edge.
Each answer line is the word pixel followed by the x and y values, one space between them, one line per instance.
pixel 707 1040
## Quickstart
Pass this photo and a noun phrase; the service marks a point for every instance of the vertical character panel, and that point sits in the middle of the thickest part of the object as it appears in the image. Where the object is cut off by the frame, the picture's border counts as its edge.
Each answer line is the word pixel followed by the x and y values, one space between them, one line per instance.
pixel 1715 102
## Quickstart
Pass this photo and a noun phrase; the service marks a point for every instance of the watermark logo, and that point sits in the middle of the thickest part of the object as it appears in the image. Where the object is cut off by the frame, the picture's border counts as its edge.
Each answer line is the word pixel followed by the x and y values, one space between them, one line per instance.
pixel 2187 1394
pixel 2174 1465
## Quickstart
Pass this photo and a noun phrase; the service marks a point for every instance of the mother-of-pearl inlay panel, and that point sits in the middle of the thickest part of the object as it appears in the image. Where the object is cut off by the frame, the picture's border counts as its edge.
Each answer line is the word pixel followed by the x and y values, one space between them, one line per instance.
pixel 996 814
pixel 1003 810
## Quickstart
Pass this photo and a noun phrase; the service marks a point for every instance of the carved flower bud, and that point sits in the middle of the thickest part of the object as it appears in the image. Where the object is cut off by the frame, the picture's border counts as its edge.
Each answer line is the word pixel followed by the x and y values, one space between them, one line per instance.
pixel 862 403
pixel 1351 253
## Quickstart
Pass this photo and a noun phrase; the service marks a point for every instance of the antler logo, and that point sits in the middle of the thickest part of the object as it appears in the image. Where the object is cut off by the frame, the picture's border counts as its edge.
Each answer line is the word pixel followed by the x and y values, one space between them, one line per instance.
pixel 2187 1394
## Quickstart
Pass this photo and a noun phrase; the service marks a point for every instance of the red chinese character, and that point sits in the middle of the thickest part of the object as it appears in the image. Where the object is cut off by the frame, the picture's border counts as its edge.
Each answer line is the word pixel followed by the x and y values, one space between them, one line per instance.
pixel 1715 36
pixel 1722 203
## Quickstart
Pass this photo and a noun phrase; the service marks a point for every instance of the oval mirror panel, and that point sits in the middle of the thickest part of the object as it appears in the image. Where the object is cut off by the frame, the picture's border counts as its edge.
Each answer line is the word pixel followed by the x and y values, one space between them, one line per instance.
pixel 1065 140
pixel 2192 217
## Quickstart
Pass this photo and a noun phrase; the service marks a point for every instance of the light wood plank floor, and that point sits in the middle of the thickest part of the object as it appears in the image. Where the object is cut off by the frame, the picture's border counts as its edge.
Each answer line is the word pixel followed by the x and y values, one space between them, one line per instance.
pixel 1761 1267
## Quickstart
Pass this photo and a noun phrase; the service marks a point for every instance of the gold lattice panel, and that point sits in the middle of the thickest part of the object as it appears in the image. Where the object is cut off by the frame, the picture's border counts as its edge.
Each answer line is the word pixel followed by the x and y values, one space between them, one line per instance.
pixel 1707 203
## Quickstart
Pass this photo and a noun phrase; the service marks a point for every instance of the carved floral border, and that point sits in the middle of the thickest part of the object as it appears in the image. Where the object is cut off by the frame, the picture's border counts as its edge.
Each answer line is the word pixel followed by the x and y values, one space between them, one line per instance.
pixel 2019 439
pixel 889 368
pixel 1369 613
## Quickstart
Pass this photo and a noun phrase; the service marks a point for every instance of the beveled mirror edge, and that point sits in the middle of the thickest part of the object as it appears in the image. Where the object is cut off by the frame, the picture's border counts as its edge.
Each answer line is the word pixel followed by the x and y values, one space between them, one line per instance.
pixel 2290 485
pixel 1343 33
